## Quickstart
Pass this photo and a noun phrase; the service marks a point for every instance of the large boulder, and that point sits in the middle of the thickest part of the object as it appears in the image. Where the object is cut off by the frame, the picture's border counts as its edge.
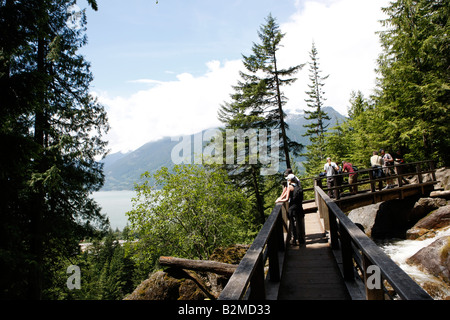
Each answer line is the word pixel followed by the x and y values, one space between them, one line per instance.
pixel 443 176
pixel 434 259
pixel 365 217
pixel 172 285
pixel 177 284
pixel 392 219
pixel 424 206
pixel 427 226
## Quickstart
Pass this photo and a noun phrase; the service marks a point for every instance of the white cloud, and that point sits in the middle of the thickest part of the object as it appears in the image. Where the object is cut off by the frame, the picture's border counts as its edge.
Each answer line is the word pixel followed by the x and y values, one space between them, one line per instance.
pixel 344 34
pixel 172 108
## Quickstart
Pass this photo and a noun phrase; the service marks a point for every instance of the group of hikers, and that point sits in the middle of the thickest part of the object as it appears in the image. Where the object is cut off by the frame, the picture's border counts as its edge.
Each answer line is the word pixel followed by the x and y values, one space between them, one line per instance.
pixel 381 162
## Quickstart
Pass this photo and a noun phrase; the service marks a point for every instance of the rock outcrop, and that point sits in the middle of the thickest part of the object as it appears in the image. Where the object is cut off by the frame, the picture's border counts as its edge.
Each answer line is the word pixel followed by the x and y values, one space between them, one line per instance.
pixel 443 176
pixel 177 284
pixel 170 285
pixel 429 225
pixel 365 216
pixel 392 219
pixel 434 259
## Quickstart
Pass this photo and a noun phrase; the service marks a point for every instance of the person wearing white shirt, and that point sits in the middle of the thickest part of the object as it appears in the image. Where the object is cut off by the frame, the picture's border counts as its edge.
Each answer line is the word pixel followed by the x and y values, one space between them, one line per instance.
pixel 329 169
pixel 388 162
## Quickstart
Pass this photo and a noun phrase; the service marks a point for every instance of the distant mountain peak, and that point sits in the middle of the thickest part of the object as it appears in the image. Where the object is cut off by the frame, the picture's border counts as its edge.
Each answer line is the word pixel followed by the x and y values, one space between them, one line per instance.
pixel 123 170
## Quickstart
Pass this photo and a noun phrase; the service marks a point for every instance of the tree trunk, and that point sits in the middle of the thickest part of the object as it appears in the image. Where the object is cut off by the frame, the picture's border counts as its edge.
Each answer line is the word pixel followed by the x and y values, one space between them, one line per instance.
pixel 259 196
pixel 280 111
pixel 199 265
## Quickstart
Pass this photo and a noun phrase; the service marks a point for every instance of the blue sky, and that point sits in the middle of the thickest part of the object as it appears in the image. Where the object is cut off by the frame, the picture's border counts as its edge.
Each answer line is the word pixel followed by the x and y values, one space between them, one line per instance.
pixel 136 39
pixel 164 69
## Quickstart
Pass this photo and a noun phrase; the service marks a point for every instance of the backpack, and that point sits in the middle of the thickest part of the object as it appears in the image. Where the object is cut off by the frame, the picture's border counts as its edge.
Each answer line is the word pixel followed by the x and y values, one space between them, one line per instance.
pixel 354 168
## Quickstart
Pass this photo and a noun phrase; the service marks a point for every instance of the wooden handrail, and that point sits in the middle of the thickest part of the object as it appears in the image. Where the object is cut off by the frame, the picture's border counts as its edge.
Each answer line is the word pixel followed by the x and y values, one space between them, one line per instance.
pixel 396 177
pixel 349 239
pixel 249 280
pixel 371 180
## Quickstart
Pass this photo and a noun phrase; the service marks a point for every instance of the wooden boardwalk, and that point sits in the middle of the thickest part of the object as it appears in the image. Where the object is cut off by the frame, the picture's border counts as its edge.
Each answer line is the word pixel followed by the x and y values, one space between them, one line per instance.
pixel 311 271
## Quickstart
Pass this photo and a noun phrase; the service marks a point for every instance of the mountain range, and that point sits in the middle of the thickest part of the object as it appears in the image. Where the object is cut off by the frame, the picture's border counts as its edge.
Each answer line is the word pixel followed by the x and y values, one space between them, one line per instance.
pixel 123 170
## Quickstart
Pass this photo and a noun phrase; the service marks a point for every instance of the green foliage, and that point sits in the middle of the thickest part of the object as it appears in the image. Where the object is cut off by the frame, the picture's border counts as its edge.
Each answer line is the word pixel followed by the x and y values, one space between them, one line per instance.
pixel 107 273
pixel 51 130
pixel 414 91
pixel 410 109
pixel 316 129
pixel 257 103
pixel 265 78
pixel 187 213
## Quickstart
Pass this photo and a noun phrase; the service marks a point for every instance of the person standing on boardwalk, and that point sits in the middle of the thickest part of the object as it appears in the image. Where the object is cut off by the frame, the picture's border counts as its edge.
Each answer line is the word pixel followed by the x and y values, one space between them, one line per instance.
pixel 288 172
pixel 399 160
pixel 352 177
pixel 331 170
pixel 293 194
pixel 388 163
pixel 377 162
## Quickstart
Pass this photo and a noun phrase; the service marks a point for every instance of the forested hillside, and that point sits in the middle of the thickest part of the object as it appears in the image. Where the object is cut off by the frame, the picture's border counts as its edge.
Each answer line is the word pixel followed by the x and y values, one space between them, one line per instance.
pixel 122 171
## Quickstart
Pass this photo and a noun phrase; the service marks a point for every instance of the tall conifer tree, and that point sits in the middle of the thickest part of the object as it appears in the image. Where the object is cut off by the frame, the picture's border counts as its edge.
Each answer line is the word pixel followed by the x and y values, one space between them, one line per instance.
pixel 51 130
pixel 414 92
pixel 257 103
pixel 316 129
pixel 263 70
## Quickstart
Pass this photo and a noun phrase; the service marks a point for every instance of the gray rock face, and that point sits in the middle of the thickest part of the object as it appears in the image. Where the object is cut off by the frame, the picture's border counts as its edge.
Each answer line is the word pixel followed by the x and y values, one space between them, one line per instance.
pixel 434 259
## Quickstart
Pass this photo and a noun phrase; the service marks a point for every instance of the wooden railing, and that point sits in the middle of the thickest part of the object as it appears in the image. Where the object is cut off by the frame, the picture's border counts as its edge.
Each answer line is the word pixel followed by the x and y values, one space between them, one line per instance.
pixel 369 183
pixel 252 280
pixel 258 274
pixel 364 261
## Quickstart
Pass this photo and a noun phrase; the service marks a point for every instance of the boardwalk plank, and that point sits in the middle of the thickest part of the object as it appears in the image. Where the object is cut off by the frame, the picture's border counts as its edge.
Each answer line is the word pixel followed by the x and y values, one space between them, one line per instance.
pixel 310 271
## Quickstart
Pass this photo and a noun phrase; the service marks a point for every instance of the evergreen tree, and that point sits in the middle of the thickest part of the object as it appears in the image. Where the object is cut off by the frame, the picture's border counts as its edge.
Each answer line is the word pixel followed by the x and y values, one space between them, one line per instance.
pixel 264 72
pixel 244 113
pixel 316 130
pixel 414 87
pixel 257 103
pixel 51 129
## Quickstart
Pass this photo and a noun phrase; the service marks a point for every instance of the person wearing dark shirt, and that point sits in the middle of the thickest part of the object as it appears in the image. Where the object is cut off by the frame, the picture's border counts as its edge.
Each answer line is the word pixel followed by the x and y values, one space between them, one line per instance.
pixel 352 177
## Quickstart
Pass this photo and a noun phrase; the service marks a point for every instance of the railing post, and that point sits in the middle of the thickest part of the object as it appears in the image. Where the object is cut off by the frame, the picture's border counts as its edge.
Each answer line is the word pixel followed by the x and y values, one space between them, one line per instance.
pixel 333 230
pixel 433 169
pixel 337 192
pixel 279 229
pixel 324 214
pixel 257 288
pixel 272 248
pixel 317 183
pixel 372 182
pixel 347 255
pixel 418 172
pixel 419 176
pixel 398 171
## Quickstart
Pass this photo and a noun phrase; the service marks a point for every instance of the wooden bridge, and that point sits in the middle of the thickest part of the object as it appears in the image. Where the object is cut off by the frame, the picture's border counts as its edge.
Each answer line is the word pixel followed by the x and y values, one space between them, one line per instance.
pixel 338 260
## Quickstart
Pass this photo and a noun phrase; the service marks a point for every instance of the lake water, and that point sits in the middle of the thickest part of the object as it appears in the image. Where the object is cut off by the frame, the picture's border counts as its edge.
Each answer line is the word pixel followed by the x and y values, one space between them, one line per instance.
pixel 115 204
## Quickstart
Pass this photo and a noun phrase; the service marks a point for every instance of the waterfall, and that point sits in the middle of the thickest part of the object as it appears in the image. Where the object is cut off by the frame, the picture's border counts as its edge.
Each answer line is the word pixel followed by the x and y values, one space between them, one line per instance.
pixel 400 250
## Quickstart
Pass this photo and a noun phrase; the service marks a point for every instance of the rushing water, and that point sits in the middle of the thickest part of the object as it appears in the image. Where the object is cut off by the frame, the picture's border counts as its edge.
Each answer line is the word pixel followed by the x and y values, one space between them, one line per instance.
pixel 400 250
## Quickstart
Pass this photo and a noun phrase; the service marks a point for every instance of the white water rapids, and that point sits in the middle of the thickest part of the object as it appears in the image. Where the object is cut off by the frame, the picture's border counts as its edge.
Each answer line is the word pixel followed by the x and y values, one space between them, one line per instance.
pixel 400 250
